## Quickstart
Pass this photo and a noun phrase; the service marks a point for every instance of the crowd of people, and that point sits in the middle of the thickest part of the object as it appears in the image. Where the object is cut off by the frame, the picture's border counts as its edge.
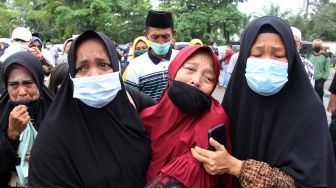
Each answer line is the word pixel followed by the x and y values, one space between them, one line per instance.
pixel 91 118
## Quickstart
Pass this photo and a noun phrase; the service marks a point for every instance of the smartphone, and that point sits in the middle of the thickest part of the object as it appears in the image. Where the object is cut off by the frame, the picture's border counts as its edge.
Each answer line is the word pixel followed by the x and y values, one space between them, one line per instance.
pixel 219 134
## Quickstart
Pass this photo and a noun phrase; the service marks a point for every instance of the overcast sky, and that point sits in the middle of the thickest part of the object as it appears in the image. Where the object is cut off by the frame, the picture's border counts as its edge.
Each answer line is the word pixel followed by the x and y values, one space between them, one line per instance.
pixel 256 6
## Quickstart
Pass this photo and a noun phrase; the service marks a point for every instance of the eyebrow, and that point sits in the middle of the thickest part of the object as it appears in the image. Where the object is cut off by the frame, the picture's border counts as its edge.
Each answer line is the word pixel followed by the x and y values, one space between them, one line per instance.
pixel 23 81
pixel 277 48
pixel 191 62
pixel 161 33
pixel 82 62
pixel 102 59
pixel 210 71
pixel 13 82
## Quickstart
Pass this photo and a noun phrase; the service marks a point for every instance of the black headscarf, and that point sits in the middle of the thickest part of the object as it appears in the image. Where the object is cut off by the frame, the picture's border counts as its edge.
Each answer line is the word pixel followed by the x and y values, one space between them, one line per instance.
pixel 81 146
pixel 36 109
pixel 287 130
pixel 39 108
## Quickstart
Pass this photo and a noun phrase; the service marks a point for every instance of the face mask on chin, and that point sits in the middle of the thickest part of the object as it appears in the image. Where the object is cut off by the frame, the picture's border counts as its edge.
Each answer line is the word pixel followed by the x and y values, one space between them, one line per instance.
pixel 188 98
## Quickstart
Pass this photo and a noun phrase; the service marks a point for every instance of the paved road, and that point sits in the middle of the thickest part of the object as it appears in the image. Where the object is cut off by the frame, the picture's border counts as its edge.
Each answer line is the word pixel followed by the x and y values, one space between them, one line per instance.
pixel 219 92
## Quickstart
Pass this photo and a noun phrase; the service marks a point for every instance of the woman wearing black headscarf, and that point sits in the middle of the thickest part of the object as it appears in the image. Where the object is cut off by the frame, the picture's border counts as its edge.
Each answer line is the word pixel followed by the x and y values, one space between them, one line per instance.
pixel 57 75
pixel 93 135
pixel 279 125
pixel 26 100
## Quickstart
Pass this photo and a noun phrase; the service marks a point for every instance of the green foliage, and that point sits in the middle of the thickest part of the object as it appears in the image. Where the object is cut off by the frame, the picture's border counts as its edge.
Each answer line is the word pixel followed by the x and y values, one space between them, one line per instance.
pixel 274 10
pixel 60 19
pixel 6 17
pixel 208 20
pixel 321 23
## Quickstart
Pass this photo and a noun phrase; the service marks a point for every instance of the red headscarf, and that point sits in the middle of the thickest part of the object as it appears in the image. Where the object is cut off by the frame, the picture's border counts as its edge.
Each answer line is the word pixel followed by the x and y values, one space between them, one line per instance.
pixel 173 133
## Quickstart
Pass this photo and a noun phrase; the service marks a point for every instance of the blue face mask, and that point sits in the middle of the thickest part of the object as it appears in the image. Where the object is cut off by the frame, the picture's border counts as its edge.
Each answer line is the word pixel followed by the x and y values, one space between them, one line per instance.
pixel 266 76
pixel 160 49
pixel 97 91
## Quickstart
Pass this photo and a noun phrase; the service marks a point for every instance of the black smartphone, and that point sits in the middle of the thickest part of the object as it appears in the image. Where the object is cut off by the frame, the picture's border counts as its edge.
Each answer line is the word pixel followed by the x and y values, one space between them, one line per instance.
pixel 219 134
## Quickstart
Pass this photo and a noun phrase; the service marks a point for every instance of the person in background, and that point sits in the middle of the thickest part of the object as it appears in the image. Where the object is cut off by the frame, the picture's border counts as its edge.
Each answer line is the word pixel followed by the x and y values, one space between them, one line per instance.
pixel 228 53
pixel 3 47
pixel 93 135
pixel 22 109
pixel 192 112
pixel 194 42
pixel 232 64
pixel 149 73
pixel 140 46
pixel 119 50
pixel 321 64
pixel 57 75
pixel 66 46
pixel 35 48
pixel 215 48
pixel 309 67
pixel 332 109
pixel 53 50
pixel 20 39
pixel 279 126
pixel 124 58
pixel 173 41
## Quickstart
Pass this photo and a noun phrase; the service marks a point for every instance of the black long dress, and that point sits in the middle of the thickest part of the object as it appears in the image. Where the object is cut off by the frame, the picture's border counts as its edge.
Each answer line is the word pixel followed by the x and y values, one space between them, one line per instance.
pixel 287 130
pixel 82 146
pixel 36 109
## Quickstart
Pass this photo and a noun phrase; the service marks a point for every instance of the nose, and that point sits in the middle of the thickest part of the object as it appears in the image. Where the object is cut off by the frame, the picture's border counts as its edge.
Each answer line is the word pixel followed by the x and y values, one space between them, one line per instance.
pixel 94 71
pixel 196 81
pixel 22 92
pixel 161 40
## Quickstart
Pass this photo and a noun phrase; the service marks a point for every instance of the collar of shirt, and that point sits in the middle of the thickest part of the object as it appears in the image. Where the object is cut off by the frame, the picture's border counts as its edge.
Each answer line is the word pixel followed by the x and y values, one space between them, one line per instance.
pixel 156 59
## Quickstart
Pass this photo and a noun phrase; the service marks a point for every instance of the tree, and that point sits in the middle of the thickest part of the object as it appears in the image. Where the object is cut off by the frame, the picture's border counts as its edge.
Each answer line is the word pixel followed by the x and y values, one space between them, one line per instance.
pixel 208 20
pixel 6 17
pixel 325 21
pixel 60 19
pixel 320 23
pixel 275 10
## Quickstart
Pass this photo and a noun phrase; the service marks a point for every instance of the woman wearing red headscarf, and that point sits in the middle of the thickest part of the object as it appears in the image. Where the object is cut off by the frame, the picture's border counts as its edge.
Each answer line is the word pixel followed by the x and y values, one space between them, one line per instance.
pixel 181 120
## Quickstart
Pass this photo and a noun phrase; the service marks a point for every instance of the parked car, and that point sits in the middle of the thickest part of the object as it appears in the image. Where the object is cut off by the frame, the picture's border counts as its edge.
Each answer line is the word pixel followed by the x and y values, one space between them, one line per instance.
pixel 180 45
pixel 236 47
pixel 6 40
pixel 306 48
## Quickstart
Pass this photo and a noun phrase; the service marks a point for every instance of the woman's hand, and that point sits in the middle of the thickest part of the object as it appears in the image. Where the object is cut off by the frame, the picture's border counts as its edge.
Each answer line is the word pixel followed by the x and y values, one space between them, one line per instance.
pixel 217 162
pixel 36 52
pixel 332 103
pixel 17 122
pixel 27 157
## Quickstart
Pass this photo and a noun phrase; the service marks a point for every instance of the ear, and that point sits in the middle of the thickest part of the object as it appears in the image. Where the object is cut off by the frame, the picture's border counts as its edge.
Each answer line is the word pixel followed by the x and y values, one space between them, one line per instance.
pixel 145 33
pixel 174 33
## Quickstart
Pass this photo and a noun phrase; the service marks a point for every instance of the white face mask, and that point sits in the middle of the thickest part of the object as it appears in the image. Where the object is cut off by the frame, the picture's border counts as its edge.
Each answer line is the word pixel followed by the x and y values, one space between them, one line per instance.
pixel 97 91
pixel 266 76
pixel 21 46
